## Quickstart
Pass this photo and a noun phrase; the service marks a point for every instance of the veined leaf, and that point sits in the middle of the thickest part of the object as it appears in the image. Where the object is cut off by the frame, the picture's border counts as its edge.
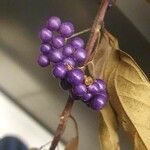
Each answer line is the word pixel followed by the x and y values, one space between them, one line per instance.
pixel 129 95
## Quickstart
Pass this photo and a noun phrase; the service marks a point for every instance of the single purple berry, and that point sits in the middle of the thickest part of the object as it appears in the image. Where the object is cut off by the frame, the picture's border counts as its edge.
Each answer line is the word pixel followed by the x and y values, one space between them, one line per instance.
pixel 69 61
pixel 80 56
pixel 45 48
pixel 54 23
pixel 65 85
pixel 55 56
pixel 101 84
pixel 87 97
pixel 58 42
pixel 68 50
pixel 93 88
pixel 98 102
pixel 104 94
pixel 75 76
pixel 45 35
pixel 66 29
pixel 77 42
pixel 43 61
pixel 79 90
pixel 59 71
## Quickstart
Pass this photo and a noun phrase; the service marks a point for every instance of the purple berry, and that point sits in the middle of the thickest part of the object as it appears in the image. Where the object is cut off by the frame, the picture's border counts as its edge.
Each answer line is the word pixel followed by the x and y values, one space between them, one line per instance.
pixel 80 56
pixel 101 84
pixel 87 97
pixel 58 42
pixel 93 88
pixel 54 23
pixel 69 61
pixel 98 102
pixel 45 35
pixel 104 94
pixel 66 29
pixel 77 42
pixel 68 50
pixel 59 71
pixel 75 76
pixel 45 48
pixel 65 85
pixel 43 61
pixel 79 90
pixel 55 56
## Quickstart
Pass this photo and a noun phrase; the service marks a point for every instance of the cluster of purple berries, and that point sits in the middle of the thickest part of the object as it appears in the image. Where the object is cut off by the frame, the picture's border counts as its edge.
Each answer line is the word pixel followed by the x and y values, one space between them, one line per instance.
pixel 67 54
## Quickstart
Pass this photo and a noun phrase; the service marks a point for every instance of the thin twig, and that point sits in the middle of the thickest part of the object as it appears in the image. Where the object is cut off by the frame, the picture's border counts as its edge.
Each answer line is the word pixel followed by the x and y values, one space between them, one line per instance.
pixel 89 47
pixel 99 20
pixel 62 124
pixel 44 145
pixel 79 33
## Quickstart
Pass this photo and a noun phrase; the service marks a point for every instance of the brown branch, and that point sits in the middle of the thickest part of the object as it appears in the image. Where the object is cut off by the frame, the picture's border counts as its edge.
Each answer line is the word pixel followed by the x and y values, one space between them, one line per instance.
pixel 89 47
pixel 96 26
pixel 62 124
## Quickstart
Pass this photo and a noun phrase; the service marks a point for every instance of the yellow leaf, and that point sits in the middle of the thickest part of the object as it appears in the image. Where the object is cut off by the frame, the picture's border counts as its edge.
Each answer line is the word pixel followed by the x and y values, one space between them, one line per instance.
pixel 108 129
pixel 129 95
pixel 103 57
pixel 133 91
pixel 72 144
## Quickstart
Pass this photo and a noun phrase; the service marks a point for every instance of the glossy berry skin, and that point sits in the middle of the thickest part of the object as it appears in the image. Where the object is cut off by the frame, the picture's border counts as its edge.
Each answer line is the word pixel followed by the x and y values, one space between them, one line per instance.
pixel 75 76
pixel 66 29
pixel 77 42
pixel 65 85
pixel 43 61
pixel 69 61
pixel 68 50
pixel 55 56
pixel 98 102
pixel 80 56
pixel 58 42
pixel 45 35
pixel 93 88
pixel 79 90
pixel 104 94
pixel 54 23
pixel 59 71
pixel 66 54
pixel 101 84
pixel 45 48
pixel 87 97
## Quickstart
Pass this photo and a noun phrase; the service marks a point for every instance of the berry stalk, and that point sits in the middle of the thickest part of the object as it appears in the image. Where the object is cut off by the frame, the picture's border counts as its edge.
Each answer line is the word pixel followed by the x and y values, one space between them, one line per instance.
pixel 89 47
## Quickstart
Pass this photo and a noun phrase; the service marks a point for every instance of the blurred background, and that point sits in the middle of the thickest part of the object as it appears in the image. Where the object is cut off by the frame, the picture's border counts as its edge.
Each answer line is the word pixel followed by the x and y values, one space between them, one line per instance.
pixel 31 100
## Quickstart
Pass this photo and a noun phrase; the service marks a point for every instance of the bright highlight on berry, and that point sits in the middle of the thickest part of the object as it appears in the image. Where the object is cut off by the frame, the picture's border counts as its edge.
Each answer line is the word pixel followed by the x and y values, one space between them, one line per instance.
pixel 67 54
